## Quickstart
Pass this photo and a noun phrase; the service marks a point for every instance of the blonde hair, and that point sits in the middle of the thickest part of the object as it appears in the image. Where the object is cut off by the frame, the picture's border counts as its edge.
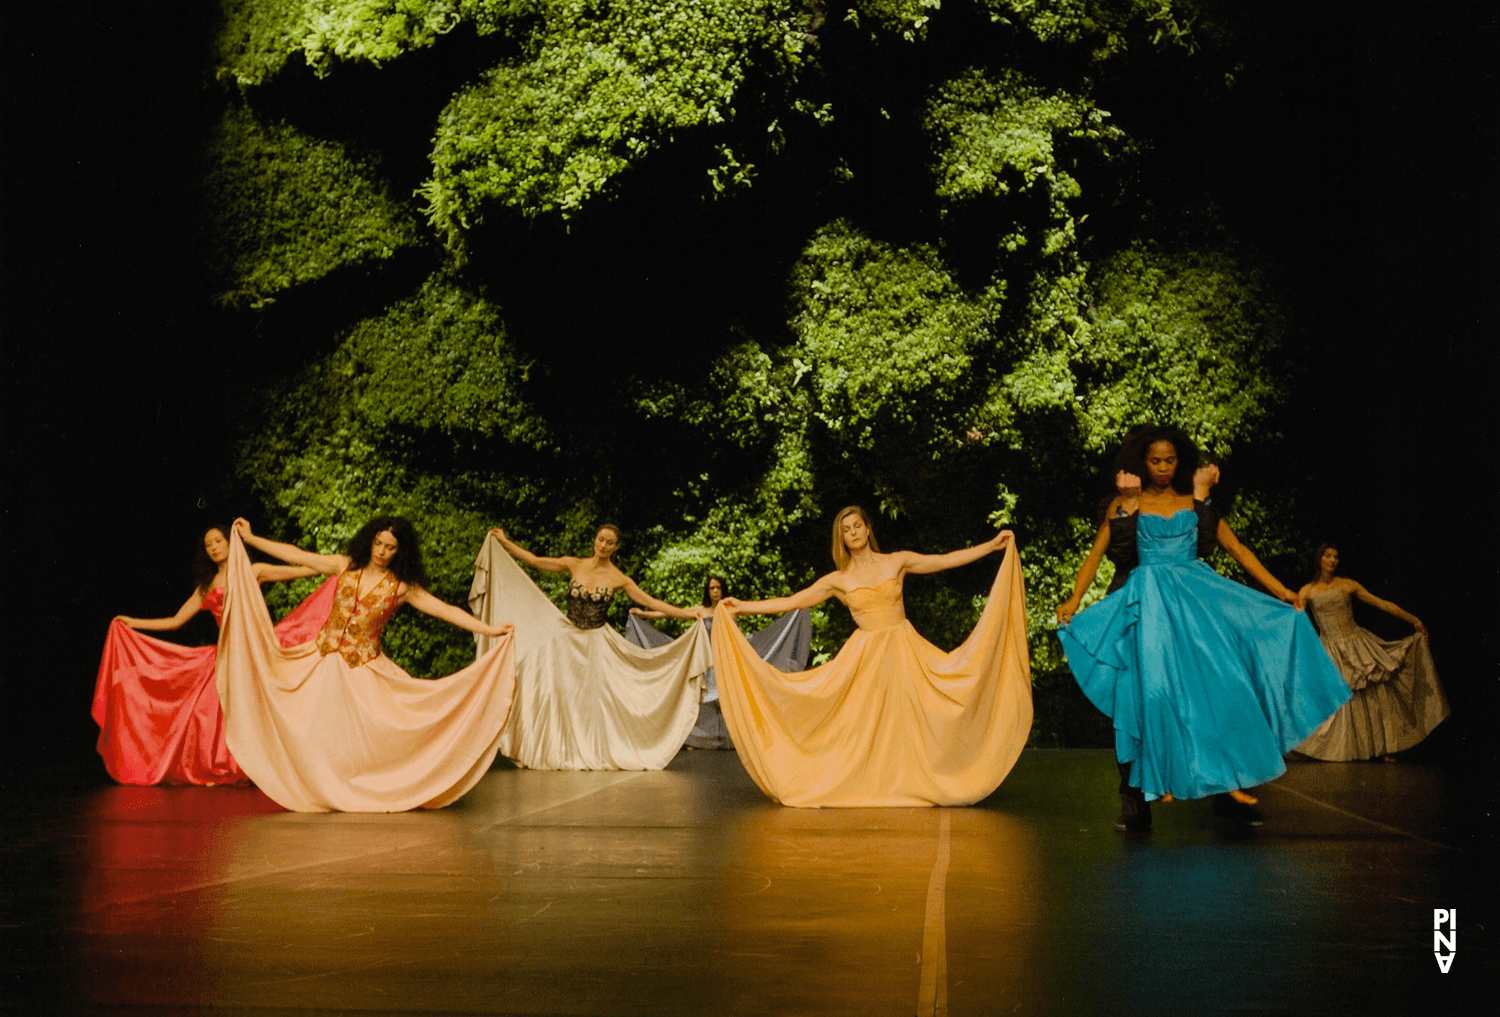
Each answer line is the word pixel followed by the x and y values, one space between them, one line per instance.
pixel 841 556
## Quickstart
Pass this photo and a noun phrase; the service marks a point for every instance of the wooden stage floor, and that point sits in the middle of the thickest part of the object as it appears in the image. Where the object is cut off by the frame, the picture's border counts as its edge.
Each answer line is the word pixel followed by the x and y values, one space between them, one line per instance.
pixel 687 892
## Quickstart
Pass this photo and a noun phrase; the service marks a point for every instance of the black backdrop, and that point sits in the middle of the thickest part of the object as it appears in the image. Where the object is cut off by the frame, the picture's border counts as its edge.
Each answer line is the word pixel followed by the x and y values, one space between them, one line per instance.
pixel 1357 153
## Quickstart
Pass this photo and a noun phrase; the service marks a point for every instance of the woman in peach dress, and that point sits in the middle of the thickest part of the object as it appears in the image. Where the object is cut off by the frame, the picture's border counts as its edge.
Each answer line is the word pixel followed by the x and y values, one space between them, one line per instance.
pixel 334 724
pixel 892 720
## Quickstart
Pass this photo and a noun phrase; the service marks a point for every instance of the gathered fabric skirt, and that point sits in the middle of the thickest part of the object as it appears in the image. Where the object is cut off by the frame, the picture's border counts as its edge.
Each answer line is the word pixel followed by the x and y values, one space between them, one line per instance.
pixel 891 720
pixel 1208 682
pixel 157 704
pixel 317 735
pixel 1396 701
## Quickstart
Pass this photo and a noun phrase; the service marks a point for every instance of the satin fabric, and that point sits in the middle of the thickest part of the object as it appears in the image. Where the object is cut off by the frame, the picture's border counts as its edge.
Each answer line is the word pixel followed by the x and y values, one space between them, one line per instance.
pixel 1207 681
pixel 784 644
pixel 157 706
pixel 892 720
pixel 1396 697
pixel 586 699
pixel 317 735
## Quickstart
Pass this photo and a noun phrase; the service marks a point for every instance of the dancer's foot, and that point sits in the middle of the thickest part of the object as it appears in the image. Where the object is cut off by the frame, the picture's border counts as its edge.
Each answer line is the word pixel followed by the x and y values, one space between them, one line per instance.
pixel 1135 815
pixel 1390 758
pixel 1167 797
pixel 1243 798
pixel 1231 807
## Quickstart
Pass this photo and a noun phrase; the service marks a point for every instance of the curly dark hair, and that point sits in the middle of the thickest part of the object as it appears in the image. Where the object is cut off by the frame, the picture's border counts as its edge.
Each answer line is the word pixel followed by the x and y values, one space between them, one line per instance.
pixel 204 568
pixel 723 588
pixel 406 565
pixel 1132 456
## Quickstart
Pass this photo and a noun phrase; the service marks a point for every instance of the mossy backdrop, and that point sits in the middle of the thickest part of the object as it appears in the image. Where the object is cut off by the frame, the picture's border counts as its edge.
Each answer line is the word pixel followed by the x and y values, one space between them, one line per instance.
pixel 713 269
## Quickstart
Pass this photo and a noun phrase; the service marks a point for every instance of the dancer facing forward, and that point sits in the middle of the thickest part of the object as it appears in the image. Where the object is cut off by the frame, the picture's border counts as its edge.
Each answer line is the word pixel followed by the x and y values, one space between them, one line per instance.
pixel 1208 682
pixel 335 725
pixel 155 702
pixel 1397 699
pixel 892 720
pixel 586 698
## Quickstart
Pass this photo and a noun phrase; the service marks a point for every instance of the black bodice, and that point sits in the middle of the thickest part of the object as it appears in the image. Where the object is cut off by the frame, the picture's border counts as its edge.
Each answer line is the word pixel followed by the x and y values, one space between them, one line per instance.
pixel 1122 548
pixel 588 608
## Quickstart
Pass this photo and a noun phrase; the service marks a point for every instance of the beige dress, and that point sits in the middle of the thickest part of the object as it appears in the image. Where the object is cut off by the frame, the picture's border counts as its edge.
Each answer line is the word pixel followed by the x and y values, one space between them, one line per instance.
pixel 892 720
pixel 1397 699
pixel 586 698
pixel 334 725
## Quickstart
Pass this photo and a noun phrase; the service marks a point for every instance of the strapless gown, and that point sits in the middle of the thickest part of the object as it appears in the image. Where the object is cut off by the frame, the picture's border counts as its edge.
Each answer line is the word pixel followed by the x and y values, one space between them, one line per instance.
pixel 1396 700
pixel 785 644
pixel 891 720
pixel 319 734
pixel 157 706
pixel 1208 682
pixel 586 699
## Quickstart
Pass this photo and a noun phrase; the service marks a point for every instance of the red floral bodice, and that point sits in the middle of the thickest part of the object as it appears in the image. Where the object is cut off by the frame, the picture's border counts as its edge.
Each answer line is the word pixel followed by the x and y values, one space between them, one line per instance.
pixel 213 603
pixel 354 625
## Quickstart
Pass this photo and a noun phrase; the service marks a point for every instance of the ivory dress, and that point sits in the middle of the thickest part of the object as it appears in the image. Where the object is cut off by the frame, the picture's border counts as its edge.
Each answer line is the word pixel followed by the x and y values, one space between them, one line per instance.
pixel 334 725
pixel 1397 699
pixel 586 699
pixel 157 706
pixel 892 720
pixel 1208 682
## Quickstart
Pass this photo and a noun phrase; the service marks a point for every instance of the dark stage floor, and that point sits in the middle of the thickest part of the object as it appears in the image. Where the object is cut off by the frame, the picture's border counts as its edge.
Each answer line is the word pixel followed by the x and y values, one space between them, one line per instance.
pixel 686 892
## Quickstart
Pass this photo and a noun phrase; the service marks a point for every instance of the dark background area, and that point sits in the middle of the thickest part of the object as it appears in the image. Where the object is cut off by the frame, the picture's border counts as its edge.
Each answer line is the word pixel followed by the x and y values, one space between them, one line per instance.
pixel 1355 155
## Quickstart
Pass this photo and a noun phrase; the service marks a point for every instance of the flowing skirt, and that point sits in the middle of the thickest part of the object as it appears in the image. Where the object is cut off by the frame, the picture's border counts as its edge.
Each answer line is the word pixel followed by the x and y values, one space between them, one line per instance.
pixel 1396 700
pixel 892 720
pixel 317 735
pixel 1208 682
pixel 157 706
pixel 586 699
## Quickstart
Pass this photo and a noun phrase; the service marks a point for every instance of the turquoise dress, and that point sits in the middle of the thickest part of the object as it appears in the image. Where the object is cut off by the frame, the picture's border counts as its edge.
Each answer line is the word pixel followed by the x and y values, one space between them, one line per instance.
pixel 1207 681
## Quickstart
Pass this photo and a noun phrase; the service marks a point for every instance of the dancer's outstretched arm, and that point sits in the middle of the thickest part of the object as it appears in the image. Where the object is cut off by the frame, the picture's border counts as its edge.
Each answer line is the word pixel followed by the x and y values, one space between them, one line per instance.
pixel 326 564
pixel 425 602
pixel 661 607
pixel 189 607
pixel 924 564
pixel 536 561
pixel 1251 564
pixel 265 572
pixel 1068 608
pixel 810 597
pixel 1387 606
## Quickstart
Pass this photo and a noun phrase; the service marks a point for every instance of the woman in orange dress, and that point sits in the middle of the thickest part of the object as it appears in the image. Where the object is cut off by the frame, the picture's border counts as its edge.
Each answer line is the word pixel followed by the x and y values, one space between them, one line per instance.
pixel 892 720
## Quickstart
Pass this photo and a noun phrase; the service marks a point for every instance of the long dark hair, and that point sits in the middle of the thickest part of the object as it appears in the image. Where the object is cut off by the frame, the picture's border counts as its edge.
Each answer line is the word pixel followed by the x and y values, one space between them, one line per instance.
pixel 204 568
pixel 1138 442
pixel 406 565
pixel 1318 560
pixel 723 589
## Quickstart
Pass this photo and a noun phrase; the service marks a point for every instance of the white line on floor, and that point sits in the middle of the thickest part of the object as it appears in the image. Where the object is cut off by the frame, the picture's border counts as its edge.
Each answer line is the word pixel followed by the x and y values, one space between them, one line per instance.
pixel 932 994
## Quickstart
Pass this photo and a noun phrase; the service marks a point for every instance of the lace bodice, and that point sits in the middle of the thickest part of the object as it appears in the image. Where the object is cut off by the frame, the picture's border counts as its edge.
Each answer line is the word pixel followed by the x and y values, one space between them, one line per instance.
pixel 354 625
pixel 1334 613
pixel 588 608
pixel 877 607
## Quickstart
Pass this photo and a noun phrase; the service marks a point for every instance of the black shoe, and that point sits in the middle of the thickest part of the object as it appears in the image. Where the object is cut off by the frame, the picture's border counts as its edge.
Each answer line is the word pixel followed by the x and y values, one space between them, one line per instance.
pixel 1135 815
pixel 1238 812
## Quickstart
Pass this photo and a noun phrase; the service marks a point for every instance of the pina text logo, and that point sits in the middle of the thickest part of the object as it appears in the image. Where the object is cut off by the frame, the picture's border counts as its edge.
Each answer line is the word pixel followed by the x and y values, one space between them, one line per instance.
pixel 1444 918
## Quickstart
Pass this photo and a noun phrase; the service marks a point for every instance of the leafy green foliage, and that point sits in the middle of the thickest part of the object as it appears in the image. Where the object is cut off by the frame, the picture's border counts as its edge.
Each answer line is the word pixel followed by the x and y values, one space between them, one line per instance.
pixel 289 209
pixel 970 314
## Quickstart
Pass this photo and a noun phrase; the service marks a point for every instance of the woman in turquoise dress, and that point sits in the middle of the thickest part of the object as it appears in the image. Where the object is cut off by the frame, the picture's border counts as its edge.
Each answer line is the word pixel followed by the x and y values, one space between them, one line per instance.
pixel 1208 682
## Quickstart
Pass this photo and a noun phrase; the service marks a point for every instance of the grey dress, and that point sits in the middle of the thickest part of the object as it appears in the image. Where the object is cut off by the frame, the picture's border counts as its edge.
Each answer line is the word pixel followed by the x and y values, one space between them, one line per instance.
pixel 785 644
pixel 1397 698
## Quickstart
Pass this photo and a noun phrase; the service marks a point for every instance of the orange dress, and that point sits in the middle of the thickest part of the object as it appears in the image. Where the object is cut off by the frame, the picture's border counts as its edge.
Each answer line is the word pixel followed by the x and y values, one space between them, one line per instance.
pixel 335 725
pixel 892 720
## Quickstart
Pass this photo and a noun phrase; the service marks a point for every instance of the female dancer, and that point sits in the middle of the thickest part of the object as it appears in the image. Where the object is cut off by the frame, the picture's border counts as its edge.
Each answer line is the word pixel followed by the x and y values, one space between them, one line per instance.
pixel 1397 700
pixel 785 644
pixel 892 720
pixel 155 702
pixel 1208 682
pixel 586 698
pixel 335 725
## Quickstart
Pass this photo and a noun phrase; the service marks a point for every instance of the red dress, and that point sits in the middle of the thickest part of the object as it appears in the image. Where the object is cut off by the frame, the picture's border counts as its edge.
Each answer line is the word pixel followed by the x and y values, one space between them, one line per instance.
pixel 157 705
